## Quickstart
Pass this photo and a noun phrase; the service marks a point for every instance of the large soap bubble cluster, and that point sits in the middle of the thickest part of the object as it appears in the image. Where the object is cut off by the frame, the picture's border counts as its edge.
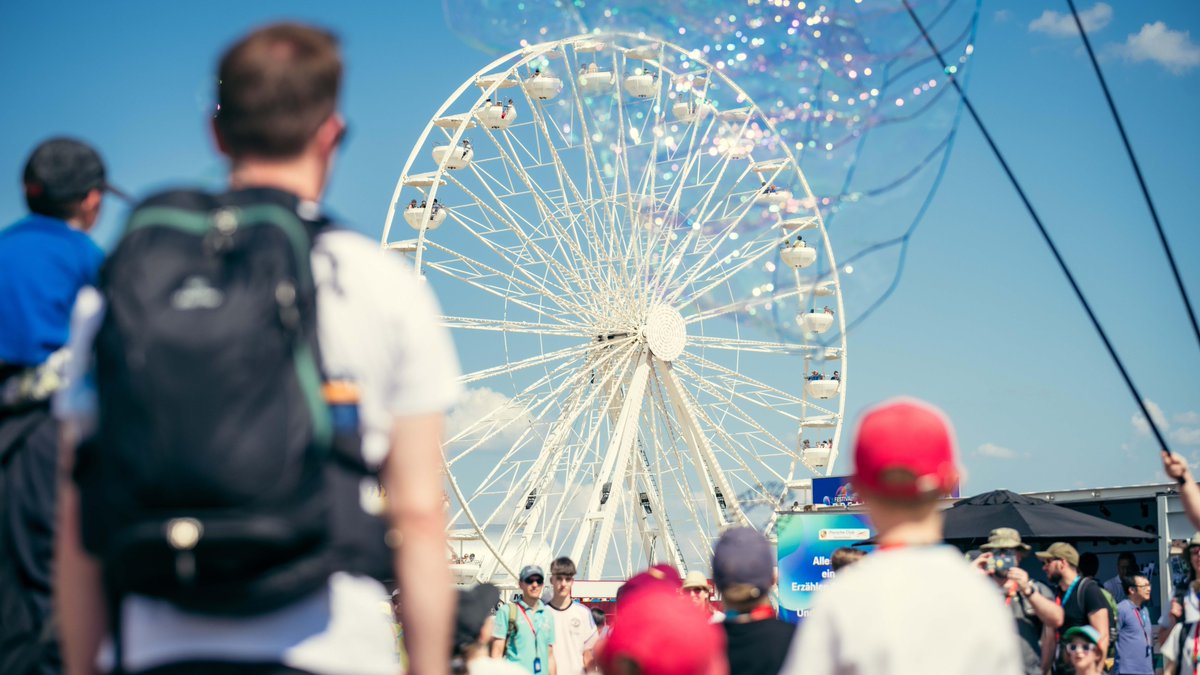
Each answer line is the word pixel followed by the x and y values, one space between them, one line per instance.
pixel 849 84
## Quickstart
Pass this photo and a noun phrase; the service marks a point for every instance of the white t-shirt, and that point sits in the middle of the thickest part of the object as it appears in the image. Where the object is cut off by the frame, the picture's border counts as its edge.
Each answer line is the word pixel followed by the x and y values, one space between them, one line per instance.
pixel 378 326
pixel 907 611
pixel 574 631
pixel 1171 650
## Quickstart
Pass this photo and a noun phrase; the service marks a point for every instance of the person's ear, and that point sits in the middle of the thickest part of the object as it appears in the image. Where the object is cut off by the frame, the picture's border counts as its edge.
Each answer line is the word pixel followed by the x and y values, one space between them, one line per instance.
pixel 89 208
pixel 218 139
pixel 329 134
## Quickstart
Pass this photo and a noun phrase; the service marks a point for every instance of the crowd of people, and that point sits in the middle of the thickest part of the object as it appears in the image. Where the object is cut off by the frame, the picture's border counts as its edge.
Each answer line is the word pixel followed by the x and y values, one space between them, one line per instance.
pixel 184 442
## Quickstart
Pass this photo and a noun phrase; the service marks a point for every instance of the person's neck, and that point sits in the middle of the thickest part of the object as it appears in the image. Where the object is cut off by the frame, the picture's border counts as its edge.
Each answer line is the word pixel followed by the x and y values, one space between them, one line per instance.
pixel 560 601
pixel 1137 602
pixel 925 532
pixel 532 602
pixel 302 176
pixel 1068 577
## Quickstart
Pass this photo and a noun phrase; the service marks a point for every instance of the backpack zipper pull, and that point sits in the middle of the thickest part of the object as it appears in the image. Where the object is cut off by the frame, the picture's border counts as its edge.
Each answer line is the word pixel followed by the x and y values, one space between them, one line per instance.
pixel 183 534
pixel 225 224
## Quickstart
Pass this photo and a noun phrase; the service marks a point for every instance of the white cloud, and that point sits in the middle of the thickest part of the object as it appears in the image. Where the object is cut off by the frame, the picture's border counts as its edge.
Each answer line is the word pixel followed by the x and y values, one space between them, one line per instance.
pixel 1189 417
pixel 1063 25
pixel 1139 422
pixel 480 412
pixel 1001 15
pixel 1171 49
pixel 995 451
pixel 1185 436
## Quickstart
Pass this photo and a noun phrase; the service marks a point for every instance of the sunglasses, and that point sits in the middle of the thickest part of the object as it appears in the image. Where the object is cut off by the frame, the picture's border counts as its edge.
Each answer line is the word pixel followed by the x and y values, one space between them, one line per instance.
pixel 1080 647
pixel 535 581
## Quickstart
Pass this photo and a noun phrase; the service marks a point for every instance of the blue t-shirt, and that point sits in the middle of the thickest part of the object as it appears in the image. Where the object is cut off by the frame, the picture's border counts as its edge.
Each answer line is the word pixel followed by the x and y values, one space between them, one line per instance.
pixel 1134 631
pixel 43 264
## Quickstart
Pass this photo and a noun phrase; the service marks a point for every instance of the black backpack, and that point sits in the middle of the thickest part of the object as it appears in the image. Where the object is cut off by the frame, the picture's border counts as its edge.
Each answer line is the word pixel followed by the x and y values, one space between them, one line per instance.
pixel 215 478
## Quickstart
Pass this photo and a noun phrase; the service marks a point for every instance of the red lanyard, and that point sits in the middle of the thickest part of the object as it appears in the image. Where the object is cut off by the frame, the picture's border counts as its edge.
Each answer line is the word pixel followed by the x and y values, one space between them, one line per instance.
pixel 1137 611
pixel 531 628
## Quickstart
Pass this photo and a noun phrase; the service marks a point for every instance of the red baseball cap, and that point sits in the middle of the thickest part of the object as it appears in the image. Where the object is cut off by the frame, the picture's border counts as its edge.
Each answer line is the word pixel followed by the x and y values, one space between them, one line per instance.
pixel 905 450
pixel 660 630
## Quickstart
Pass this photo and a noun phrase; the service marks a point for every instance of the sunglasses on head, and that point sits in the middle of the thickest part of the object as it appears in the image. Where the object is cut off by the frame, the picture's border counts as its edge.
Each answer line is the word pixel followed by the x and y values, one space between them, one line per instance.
pixel 535 581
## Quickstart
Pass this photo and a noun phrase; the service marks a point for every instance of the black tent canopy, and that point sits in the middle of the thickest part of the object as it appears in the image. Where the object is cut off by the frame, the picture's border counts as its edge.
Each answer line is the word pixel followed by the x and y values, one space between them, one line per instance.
pixel 969 522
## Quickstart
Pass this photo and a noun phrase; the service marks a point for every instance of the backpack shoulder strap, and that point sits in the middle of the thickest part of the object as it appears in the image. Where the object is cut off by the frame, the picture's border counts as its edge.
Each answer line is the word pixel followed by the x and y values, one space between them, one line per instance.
pixel 512 620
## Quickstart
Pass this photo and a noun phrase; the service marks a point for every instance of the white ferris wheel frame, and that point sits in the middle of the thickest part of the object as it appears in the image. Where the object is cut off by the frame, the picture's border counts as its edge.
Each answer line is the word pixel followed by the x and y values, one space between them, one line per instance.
pixel 598 523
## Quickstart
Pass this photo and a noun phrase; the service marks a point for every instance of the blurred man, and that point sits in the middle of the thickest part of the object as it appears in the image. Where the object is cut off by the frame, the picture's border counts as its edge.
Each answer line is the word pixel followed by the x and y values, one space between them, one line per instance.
pixel 756 641
pixel 844 557
pixel 1080 598
pixel 1031 602
pixel 912 605
pixel 1126 567
pixel 45 259
pixel 696 588
pixel 390 374
pixel 524 632
pixel 1134 630
pixel 574 627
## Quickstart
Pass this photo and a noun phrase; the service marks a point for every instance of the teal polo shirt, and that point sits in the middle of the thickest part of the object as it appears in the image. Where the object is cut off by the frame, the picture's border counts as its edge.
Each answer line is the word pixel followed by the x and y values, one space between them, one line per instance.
pixel 535 634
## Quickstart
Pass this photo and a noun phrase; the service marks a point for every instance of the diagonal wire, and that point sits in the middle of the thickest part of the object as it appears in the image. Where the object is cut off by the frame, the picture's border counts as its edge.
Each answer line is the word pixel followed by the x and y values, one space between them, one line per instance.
pixel 1137 170
pixel 987 136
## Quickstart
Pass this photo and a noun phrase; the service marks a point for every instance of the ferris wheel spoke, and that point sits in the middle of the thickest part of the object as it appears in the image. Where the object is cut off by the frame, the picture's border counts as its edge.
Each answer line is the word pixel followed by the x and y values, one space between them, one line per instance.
pixel 475 282
pixel 729 443
pixel 508 219
pixel 573 352
pixel 741 305
pixel 506 326
pixel 545 215
pixel 752 255
pixel 472 268
pixel 539 473
pixel 750 420
pixel 601 265
pixel 764 395
pixel 665 276
pixel 705 460
pixel 746 345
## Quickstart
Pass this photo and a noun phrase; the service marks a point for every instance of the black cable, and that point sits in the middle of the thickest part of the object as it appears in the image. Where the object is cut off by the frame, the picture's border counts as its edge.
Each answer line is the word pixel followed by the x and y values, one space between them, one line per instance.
pixel 1042 229
pixel 1137 170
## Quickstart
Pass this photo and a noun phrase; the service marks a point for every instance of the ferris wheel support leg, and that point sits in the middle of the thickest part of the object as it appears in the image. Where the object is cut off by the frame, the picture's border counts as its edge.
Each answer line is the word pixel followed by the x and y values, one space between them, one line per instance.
pixel 703 455
pixel 598 522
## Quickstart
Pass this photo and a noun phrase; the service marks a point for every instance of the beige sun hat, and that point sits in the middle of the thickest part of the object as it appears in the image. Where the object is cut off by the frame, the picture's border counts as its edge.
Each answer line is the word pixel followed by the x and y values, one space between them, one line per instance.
pixel 1004 537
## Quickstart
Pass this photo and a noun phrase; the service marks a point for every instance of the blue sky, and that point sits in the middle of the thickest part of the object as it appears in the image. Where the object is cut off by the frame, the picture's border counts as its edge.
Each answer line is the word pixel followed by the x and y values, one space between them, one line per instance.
pixel 982 323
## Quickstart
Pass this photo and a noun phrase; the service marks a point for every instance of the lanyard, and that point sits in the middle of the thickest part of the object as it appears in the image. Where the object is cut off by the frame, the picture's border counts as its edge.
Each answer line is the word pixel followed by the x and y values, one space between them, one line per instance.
pixel 1070 589
pixel 531 628
pixel 1137 611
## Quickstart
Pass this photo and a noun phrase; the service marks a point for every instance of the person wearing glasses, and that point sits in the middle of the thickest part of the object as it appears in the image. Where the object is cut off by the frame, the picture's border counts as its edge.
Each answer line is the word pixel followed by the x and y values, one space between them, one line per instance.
pixel 1080 598
pixel 1134 630
pixel 696 588
pixel 1030 602
pixel 524 631
pixel 1083 650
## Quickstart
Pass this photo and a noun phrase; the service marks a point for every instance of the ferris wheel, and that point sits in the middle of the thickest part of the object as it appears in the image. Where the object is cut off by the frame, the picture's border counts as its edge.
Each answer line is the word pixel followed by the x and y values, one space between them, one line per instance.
pixel 610 222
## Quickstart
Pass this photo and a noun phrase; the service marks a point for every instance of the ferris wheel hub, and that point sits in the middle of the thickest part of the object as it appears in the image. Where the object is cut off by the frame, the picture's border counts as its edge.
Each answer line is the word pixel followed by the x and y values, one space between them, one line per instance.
pixel 666 333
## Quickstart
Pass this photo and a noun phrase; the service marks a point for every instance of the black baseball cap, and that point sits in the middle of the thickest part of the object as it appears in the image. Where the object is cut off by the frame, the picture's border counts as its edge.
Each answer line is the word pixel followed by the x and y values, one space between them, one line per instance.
pixel 474 607
pixel 65 169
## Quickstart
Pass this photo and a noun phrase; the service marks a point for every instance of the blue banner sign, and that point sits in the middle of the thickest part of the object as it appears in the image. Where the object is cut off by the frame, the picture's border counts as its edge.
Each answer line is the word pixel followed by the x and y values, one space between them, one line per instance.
pixel 805 543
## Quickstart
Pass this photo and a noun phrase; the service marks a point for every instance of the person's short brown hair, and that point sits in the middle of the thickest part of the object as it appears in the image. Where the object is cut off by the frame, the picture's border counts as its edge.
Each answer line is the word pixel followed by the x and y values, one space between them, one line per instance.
pixel 564 566
pixel 276 86
pixel 845 556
